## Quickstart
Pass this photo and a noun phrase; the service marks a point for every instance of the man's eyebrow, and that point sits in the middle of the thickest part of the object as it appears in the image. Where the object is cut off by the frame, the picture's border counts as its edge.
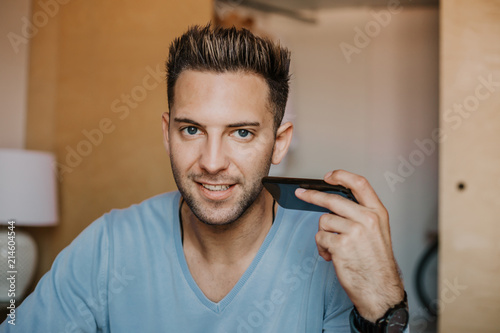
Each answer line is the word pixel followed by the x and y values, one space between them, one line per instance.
pixel 240 124
pixel 187 120
pixel 244 124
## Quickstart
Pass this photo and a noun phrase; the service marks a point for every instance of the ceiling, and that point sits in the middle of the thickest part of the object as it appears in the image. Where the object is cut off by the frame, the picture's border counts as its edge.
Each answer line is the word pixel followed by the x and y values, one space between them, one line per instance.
pixel 305 10
pixel 324 4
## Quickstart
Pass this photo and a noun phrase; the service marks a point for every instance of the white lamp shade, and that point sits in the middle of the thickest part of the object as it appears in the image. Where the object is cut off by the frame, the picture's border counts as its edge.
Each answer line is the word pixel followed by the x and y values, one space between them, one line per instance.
pixel 28 188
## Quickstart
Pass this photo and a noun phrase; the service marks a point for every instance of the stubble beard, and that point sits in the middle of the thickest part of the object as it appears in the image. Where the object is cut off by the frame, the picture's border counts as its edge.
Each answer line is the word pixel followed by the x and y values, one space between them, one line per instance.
pixel 248 198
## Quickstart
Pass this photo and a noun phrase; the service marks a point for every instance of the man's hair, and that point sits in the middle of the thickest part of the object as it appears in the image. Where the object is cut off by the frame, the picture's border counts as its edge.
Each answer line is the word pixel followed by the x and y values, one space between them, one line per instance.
pixel 219 50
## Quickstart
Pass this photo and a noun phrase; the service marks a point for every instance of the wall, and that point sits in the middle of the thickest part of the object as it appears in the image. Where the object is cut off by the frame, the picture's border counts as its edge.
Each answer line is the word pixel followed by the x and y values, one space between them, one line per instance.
pixel 363 115
pixel 96 96
pixel 470 155
pixel 370 113
pixel 14 51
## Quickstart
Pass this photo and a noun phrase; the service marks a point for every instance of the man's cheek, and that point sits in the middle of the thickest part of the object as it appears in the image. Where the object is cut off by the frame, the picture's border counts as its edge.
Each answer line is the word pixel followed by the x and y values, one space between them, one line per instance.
pixel 250 153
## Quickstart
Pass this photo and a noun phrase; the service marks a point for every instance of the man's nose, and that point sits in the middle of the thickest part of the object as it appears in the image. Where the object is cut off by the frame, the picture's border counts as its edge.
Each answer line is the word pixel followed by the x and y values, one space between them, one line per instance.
pixel 214 156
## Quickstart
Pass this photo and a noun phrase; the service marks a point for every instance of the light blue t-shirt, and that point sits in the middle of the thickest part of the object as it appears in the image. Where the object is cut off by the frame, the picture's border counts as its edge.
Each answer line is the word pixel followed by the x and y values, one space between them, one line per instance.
pixel 127 272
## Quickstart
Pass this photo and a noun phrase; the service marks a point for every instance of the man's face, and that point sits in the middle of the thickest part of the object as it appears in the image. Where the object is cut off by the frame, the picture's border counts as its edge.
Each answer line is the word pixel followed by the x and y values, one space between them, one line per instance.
pixel 220 137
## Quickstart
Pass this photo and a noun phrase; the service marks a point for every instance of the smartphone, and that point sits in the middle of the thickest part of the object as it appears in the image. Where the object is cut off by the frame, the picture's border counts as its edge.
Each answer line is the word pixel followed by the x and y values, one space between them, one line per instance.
pixel 283 191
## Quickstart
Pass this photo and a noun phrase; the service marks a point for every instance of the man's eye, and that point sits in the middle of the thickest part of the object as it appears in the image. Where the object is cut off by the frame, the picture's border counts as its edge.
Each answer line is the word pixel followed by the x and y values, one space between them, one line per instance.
pixel 243 133
pixel 191 130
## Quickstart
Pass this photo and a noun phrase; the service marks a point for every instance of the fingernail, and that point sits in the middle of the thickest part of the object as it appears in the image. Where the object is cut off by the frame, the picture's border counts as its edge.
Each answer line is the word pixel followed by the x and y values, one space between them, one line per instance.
pixel 328 174
pixel 300 190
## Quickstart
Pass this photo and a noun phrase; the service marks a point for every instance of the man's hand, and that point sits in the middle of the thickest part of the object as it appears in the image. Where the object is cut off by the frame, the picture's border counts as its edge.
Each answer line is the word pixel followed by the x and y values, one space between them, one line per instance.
pixel 357 239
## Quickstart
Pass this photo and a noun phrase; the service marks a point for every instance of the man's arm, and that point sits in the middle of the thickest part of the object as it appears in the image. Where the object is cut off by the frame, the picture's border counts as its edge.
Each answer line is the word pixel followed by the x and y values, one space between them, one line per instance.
pixel 356 238
pixel 72 296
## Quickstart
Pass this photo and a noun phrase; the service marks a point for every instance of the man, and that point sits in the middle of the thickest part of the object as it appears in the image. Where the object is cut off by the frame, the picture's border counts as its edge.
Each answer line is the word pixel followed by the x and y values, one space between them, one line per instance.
pixel 219 255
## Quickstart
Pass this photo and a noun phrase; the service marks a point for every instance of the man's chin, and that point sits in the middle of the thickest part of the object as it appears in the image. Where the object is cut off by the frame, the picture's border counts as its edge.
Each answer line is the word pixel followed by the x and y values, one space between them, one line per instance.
pixel 216 217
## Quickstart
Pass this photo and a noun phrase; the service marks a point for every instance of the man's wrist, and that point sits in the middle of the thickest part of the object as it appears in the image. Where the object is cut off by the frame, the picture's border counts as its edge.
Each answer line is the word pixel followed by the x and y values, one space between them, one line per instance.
pixel 397 317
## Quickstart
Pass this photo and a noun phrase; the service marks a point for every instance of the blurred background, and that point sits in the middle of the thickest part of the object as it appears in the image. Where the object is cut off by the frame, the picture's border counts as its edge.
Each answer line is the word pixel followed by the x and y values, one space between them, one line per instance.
pixel 405 93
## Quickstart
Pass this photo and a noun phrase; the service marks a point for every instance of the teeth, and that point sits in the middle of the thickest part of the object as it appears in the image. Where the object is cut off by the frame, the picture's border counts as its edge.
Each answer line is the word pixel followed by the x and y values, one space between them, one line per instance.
pixel 216 187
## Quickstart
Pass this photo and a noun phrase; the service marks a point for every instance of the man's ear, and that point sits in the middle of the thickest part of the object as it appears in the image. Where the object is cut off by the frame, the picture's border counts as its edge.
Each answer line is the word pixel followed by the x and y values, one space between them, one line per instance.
pixel 165 119
pixel 282 142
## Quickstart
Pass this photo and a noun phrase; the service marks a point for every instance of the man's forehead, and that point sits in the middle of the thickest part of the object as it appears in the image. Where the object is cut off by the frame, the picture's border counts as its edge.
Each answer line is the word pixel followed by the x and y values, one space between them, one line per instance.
pixel 236 96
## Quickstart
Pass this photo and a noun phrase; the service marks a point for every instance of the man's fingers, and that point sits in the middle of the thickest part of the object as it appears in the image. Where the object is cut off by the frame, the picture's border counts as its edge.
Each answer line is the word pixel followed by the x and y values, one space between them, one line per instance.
pixel 360 187
pixel 340 206
pixel 334 202
pixel 334 223
pixel 370 211
pixel 366 196
pixel 324 241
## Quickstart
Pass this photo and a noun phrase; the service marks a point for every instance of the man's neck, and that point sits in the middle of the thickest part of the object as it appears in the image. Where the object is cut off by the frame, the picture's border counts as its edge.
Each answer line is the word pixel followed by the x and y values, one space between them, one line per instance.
pixel 237 242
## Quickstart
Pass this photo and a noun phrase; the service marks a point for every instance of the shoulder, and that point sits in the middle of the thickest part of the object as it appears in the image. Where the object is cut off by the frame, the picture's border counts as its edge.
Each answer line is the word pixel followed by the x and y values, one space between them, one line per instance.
pixel 151 217
pixel 160 204
pixel 150 211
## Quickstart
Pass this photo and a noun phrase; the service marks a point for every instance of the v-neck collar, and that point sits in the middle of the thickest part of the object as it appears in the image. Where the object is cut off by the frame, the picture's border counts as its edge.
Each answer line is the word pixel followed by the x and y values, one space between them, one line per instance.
pixel 221 305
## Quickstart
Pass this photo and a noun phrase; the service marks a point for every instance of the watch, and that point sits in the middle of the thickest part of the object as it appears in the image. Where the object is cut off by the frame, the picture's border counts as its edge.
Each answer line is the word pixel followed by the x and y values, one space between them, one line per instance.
pixel 395 320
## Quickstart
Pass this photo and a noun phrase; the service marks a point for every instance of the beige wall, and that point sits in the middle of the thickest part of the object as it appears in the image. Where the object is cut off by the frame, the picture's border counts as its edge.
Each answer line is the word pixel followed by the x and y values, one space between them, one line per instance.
pixel 96 95
pixel 14 51
pixel 470 154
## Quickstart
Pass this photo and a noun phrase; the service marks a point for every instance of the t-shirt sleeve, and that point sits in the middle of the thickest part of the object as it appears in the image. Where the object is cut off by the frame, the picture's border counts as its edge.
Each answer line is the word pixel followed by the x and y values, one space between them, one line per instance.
pixel 337 308
pixel 72 296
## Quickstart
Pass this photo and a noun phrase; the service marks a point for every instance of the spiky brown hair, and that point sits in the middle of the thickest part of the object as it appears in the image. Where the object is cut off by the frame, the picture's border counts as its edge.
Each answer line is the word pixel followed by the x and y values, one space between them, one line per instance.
pixel 219 50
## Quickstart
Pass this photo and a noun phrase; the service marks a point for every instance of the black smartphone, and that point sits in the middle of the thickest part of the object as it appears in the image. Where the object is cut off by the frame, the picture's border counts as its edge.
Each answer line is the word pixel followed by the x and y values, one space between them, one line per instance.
pixel 283 191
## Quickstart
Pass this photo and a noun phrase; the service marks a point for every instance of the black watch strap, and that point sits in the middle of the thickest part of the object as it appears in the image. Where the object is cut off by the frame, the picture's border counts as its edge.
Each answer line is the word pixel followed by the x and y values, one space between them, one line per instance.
pixel 395 320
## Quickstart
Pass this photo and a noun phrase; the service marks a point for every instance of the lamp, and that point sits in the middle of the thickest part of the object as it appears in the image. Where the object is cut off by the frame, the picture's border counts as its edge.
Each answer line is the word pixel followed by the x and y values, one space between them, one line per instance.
pixel 28 197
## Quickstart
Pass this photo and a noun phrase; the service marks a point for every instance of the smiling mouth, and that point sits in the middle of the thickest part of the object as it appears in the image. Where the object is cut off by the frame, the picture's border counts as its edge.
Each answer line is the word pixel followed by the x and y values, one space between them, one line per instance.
pixel 216 187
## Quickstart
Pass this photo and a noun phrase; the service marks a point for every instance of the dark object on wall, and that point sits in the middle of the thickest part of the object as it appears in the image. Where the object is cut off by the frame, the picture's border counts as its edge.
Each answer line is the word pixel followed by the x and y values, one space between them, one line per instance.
pixel 425 268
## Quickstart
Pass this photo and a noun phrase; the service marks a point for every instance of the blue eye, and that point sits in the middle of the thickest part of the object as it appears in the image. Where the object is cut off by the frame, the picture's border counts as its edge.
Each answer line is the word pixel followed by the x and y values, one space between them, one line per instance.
pixel 243 133
pixel 191 130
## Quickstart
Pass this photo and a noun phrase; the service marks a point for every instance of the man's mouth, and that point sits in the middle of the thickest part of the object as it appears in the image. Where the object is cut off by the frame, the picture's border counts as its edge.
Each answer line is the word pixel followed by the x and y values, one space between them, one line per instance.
pixel 216 192
pixel 215 187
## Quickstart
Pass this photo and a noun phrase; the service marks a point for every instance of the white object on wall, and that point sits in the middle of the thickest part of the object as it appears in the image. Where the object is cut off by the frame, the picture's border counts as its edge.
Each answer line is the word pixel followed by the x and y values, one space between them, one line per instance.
pixel 28 197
